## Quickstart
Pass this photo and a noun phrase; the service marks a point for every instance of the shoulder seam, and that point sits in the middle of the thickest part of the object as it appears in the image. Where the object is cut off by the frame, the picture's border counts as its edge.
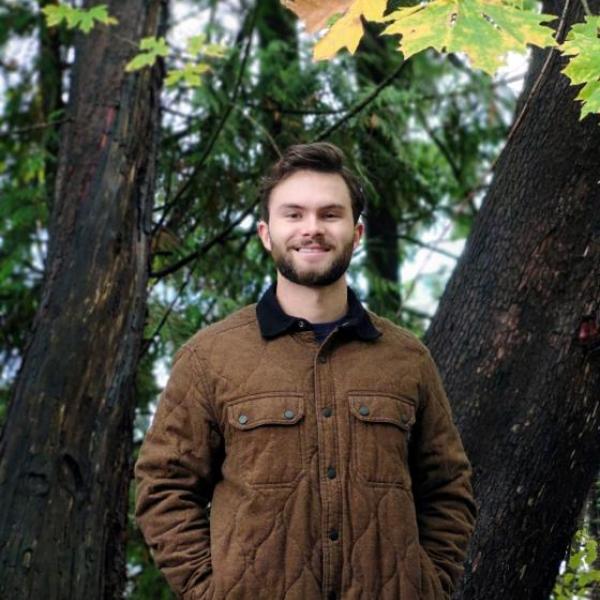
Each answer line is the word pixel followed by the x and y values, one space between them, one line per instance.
pixel 220 329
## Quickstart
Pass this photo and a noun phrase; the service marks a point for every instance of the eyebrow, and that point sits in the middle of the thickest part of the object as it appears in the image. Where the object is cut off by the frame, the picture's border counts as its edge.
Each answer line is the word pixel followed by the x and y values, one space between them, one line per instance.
pixel 288 206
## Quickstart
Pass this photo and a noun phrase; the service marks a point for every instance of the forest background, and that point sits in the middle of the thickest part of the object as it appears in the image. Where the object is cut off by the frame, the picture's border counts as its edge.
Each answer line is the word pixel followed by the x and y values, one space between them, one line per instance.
pixel 127 222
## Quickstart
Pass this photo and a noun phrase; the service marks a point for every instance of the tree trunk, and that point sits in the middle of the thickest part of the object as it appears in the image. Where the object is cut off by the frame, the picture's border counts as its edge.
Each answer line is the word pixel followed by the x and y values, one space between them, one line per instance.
pixel 516 339
pixel 65 449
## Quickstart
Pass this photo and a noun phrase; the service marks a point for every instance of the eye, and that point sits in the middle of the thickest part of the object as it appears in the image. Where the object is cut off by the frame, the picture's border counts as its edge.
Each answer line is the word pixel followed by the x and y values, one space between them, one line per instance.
pixel 293 215
pixel 331 215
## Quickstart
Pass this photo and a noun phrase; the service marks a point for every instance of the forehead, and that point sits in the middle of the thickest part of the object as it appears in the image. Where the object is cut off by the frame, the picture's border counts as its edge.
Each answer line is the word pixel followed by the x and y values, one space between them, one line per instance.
pixel 311 189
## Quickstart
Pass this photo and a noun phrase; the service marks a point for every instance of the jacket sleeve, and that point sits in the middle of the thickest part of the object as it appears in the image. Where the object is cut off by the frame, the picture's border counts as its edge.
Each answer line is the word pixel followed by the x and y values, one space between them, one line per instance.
pixel 441 475
pixel 175 475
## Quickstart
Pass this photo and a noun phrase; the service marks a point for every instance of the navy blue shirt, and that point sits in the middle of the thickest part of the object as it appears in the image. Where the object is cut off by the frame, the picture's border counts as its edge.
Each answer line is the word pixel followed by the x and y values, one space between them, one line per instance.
pixel 322 330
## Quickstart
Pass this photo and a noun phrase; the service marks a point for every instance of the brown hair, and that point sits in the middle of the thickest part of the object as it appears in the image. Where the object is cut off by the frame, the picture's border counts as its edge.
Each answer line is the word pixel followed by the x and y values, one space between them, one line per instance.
pixel 319 156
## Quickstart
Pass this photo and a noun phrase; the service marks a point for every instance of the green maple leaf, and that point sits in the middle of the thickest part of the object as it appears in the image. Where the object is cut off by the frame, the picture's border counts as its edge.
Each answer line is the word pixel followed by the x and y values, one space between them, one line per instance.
pixel 196 44
pixel 96 13
pixel 157 46
pixel 56 13
pixel 583 46
pixel 141 60
pixel 214 50
pixel 173 77
pixel 75 17
pixel 190 74
pixel 485 30
pixel 153 48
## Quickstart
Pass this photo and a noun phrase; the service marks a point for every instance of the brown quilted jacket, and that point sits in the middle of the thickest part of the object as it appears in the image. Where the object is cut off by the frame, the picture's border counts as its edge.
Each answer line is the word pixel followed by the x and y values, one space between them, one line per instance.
pixel 333 471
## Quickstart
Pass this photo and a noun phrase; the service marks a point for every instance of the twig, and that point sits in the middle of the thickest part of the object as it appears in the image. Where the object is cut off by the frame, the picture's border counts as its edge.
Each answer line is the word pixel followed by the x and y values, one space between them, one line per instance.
pixel 440 145
pixel 205 247
pixel 431 247
pixel 360 105
pixel 416 313
pixel 263 129
pixel 586 8
pixel 411 289
pixel 35 126
pixel 229 107
pixel 148 342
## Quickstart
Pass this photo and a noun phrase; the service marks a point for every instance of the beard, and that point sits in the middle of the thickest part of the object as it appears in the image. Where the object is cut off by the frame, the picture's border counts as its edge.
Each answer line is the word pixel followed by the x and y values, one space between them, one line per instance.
pixel 315 276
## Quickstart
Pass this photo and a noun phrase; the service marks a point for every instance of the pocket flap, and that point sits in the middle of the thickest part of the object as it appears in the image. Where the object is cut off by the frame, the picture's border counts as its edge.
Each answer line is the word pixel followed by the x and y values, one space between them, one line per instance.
pixel 272 409
pixel 381 408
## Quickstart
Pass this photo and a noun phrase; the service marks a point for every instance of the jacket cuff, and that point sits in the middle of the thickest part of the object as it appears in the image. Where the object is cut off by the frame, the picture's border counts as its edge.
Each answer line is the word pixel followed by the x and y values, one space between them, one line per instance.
pixel 431 586
pixel 201 591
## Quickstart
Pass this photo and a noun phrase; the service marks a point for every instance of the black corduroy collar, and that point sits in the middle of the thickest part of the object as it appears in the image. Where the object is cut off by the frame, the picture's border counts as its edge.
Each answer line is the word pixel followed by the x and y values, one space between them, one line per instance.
pixel 273 321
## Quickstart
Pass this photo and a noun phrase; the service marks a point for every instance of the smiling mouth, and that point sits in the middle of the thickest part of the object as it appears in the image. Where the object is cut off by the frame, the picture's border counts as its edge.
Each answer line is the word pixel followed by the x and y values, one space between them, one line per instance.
pixel 312 250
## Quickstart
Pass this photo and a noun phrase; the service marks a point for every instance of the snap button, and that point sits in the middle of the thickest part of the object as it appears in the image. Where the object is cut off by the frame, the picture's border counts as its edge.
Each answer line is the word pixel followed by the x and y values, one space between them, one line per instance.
pixel 289 414
pixel 333 535
pixel 243 419
pixel 327 412
pixel 363 410
pixel 331 473
pixel 322 358
pixel 302 324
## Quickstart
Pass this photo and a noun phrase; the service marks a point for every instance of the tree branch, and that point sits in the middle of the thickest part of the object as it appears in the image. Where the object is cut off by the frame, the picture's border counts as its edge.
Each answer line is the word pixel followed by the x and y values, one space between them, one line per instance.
pixel 586 8
pixel 440 145
pixel 431 247
pixel 205 247
pixel 362 104
pixel 220 125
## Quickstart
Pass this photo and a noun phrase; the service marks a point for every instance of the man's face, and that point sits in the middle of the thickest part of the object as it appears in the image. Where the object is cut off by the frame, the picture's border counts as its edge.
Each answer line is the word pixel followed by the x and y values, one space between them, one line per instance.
pixel 311 232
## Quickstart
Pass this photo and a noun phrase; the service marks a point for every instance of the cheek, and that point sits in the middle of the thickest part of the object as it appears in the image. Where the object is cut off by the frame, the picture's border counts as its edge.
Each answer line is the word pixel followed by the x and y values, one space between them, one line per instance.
pixel 285 237
pixel 278 242
pixel 348 234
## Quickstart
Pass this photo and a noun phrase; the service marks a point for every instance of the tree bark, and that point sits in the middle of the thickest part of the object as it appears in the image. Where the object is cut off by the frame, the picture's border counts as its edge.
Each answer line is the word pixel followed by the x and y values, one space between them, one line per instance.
pixel 65 450
pixel 516 339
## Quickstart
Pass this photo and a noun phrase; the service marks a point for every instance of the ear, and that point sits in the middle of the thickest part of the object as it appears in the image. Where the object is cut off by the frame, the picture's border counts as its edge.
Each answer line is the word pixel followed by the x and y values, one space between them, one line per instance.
pixel 263 233
pixel 359 229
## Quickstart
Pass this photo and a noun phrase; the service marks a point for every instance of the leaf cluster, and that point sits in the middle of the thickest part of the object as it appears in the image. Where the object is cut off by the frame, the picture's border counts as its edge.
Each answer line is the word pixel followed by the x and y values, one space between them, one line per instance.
pixel 580 574
pixel 77 18
pixel 486 31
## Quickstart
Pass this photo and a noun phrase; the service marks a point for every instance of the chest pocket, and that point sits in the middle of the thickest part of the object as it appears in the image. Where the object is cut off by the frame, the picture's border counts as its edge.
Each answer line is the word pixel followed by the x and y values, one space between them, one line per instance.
pixel 381 426
pixel 264 445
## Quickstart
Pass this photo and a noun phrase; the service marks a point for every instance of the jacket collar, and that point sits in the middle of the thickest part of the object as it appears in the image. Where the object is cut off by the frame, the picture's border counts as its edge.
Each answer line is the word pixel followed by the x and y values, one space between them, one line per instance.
pixel 273 321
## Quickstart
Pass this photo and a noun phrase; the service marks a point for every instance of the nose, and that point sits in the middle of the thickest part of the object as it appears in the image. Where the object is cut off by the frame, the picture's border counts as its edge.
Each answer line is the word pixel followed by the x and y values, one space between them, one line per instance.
pixel 312 226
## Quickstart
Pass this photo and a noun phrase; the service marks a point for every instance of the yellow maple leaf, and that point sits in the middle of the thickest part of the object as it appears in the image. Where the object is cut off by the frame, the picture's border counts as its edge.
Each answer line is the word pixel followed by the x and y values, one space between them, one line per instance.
pixel 315 13
pixel 346 32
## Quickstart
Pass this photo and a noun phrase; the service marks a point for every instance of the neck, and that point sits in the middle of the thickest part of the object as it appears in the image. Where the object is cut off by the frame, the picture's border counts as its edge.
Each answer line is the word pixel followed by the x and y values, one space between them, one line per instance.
pixel 315 304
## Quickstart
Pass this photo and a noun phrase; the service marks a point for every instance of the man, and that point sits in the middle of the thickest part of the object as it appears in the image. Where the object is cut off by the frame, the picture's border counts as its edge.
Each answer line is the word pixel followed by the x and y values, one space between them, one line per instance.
pixel 319 431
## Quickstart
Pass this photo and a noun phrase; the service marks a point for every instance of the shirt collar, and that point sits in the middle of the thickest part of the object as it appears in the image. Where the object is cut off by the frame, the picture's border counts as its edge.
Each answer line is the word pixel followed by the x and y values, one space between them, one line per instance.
pixel 273 321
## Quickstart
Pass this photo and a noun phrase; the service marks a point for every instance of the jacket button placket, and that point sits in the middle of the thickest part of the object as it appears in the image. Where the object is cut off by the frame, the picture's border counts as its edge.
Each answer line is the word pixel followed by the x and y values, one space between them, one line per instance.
pixel 329 482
